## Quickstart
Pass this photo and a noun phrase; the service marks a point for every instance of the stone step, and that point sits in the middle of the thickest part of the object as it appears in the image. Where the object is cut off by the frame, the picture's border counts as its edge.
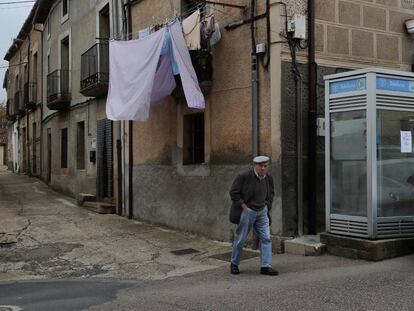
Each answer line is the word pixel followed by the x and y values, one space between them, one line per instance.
pixel 81 198
pixel 100 207
pixel 307 245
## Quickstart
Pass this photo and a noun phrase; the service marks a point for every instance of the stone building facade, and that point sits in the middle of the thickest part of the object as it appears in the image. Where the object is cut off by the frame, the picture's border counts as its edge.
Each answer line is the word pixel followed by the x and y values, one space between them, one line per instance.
pixel 182 160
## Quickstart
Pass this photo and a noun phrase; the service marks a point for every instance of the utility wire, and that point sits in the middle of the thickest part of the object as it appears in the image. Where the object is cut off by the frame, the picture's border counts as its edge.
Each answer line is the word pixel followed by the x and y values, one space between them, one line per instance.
pixel 16 2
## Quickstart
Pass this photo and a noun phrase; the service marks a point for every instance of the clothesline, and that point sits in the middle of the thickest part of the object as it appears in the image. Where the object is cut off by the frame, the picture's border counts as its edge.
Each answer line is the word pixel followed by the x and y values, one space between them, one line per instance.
pixel 167 21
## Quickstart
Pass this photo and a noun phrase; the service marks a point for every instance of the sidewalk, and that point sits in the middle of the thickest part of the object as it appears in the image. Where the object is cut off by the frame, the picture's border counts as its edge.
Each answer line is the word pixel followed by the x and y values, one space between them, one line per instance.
pixel 44 234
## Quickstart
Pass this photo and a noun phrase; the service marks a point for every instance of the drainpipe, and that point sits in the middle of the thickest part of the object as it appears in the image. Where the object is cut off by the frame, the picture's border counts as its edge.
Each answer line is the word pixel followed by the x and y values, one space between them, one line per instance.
pixel 128 14
pixel 255 83
pixel 29 169
pixel 119 201
pixel 41 104
pixel 312 119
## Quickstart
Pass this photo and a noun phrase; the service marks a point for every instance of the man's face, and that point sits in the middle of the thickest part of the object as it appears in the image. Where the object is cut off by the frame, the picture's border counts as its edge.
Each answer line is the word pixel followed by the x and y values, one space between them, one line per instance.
pixel 262 168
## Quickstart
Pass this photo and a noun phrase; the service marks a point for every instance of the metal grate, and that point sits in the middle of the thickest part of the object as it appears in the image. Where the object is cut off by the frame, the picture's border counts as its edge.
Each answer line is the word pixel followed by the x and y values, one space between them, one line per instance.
pixel 185 251
pixel 348 103
pixel 349 227
pixel 395 228
pixel 393 102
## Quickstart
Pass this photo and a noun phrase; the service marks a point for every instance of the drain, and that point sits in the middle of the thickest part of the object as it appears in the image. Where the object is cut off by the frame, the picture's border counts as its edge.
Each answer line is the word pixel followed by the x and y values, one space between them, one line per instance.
pixel 227 256
pixel 185 251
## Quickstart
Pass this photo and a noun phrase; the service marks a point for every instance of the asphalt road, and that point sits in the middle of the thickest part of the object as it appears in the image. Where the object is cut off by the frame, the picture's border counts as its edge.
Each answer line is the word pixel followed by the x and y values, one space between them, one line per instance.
pixel 305 283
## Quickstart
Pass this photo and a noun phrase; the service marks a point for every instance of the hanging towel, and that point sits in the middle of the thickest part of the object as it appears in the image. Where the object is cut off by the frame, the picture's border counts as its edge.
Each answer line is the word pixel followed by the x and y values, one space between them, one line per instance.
pixel 167 49
pixel 164 82
pixel 132 68
pixel 216 36
pixel 191 28
pixel 193 95
pixel 143 33
pixel 207 27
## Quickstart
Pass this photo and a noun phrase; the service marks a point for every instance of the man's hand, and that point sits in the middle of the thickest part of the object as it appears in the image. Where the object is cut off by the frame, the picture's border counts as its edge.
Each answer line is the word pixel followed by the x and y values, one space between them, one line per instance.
pixel 243 206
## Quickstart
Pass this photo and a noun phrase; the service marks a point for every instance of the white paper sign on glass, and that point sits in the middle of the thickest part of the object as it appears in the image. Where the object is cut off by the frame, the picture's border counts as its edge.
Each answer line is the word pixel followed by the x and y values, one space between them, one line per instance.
pixel 406 142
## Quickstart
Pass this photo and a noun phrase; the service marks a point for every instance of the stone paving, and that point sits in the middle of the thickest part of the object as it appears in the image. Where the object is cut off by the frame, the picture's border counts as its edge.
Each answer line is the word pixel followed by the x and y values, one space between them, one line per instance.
pixel 44 234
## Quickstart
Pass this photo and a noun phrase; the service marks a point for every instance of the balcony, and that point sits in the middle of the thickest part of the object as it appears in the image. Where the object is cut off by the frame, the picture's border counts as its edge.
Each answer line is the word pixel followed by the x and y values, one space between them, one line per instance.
pixel 58 96
pixel 95 70
pixel 10 115
pixel 30 95
pixel 18 104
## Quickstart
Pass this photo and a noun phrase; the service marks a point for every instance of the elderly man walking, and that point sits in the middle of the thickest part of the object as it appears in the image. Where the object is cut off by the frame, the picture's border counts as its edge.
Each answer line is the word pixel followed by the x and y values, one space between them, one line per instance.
pixel 252 195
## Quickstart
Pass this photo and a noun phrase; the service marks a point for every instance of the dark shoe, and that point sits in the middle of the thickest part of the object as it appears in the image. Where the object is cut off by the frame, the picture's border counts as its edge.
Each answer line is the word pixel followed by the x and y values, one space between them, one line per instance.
pixel 268 271
pixel 234 269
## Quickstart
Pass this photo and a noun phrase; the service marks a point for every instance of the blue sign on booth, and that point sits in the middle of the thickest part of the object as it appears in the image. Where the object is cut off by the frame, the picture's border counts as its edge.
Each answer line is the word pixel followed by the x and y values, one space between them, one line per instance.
pixel 348 86
pixel 396 85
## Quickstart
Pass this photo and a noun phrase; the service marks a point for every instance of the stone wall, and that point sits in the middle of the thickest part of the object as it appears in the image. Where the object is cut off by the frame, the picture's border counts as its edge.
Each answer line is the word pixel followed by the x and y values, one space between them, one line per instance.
pixel 365 32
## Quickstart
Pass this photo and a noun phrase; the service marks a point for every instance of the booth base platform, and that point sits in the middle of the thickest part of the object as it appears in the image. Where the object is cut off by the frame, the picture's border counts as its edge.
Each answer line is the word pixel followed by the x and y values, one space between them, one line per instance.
pixel 373 250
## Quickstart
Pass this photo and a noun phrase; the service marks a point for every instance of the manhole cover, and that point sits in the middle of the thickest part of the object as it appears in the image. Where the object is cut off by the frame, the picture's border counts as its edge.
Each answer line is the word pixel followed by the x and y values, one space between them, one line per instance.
pixel 227 256
pixel 184 251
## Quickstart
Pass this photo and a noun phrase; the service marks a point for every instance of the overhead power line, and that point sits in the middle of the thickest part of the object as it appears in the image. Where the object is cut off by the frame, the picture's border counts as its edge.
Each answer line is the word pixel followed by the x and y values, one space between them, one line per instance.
pixel 17 2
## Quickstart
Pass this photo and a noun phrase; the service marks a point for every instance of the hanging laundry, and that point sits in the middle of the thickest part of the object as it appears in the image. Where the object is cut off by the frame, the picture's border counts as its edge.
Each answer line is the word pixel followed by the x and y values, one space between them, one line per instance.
pixel 143 33
pixel 167 49
pixel 164 82
pixel 193 94
pixel 216 36
pixel 191 29
pixel 139 74
pixel 207 27
pixel 132 67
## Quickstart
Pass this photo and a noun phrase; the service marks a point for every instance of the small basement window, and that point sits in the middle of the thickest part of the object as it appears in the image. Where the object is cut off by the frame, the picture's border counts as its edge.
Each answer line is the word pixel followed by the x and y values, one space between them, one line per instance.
pixel 193 139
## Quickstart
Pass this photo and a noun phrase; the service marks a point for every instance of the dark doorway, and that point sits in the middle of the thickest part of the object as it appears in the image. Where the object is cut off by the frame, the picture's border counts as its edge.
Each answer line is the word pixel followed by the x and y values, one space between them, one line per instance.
pixel 24 142
pixel 104 160
pixel 49 156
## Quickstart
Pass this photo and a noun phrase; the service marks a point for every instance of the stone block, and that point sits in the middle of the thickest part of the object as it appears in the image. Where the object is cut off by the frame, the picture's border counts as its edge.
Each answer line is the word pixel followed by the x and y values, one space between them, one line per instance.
pixel 407 50
pixel 349 13
pixel 338 40
pixel 319 37
pixel 362 43
pixel 407 4
pixel 373 250
pixel 393 3
pixel 397 21
pixel 387 47
pixel 325 10
pixel 374 17
pixel 305 246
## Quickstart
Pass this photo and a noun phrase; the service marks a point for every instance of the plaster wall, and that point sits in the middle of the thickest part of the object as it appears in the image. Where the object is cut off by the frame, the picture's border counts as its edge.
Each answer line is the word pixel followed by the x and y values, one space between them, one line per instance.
pixel 195 197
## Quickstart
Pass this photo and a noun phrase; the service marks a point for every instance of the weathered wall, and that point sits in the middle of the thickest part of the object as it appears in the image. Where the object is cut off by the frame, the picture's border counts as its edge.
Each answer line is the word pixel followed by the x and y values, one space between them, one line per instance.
pixel 81 26
pixel 196 198
pixel 364 33
pixel 350 34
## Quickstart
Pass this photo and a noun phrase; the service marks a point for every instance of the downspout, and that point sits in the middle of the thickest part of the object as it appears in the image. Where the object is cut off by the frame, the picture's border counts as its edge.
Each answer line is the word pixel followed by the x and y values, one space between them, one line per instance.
pixel 255 83
pixel 130 130
pixel 41 104
pixel 29 169
pixel 312 72
pixel 118 126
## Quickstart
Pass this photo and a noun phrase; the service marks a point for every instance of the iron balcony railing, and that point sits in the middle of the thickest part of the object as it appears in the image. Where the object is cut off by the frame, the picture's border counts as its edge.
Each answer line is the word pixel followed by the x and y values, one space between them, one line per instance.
pixel 58 95
pixel 30 94
pixel 18 104
pixel 95 70
pixel 10 110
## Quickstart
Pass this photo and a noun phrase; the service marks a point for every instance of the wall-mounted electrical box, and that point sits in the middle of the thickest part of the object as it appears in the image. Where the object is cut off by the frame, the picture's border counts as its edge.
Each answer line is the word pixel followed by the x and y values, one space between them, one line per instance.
pixel 320 125
pixel 297 26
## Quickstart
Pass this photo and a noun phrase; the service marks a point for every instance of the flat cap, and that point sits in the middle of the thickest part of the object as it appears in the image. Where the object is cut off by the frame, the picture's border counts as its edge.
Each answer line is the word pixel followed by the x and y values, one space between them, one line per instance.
pixel 260 159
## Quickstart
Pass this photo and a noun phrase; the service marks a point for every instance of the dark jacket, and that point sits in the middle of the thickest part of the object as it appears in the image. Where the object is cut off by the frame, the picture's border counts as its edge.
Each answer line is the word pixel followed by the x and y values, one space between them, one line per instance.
pixel 241 192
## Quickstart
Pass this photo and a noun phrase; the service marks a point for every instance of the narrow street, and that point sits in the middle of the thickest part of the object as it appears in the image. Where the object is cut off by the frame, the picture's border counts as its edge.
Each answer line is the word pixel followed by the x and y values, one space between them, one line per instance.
pixel 55 255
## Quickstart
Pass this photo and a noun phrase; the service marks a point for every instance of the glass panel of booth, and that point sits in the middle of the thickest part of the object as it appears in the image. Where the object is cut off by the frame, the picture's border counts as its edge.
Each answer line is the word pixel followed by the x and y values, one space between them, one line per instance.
pixel 395 164
pixel 349 163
